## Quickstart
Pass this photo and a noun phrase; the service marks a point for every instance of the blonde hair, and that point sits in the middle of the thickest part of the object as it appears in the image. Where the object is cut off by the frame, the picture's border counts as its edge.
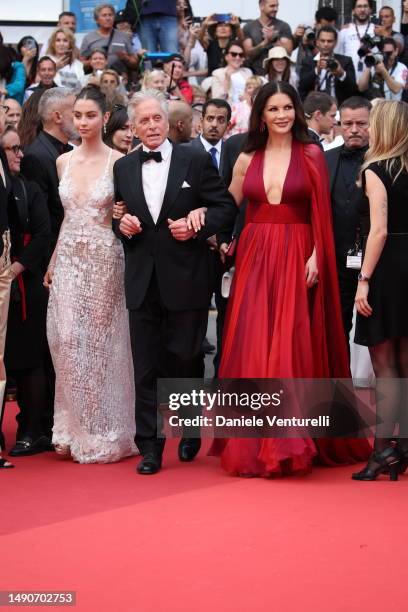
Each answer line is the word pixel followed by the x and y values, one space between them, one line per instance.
pixel 388 137
pixel 68 34
pixel 111 72
pixel 254 80
pixel 149 76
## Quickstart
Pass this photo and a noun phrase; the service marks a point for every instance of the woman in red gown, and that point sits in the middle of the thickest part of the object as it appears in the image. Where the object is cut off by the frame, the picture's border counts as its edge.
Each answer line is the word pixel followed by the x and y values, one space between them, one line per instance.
pixel 284 317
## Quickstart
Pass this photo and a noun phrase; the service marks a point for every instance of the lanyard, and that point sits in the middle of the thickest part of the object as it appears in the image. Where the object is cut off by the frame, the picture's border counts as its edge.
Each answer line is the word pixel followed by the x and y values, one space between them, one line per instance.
pixel 360 38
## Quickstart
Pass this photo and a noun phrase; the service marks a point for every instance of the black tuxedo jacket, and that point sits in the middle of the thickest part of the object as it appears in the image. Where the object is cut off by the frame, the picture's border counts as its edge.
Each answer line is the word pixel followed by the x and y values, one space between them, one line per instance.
pixel 182 268
pixel 38 165
pixel 344 89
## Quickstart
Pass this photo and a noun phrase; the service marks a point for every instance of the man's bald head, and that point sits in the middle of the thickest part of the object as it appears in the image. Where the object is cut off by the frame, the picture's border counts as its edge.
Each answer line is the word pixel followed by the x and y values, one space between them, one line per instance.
pixel 180 121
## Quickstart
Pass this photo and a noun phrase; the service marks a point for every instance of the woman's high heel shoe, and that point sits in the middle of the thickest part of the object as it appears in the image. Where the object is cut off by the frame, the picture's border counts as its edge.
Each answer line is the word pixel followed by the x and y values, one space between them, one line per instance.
pixel 385 462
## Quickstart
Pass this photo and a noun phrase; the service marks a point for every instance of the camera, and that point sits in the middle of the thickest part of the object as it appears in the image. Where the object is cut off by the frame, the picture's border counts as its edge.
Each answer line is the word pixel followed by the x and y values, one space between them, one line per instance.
pixel 332 64
pixel 367 44
pixel 372 59
pixel 310 36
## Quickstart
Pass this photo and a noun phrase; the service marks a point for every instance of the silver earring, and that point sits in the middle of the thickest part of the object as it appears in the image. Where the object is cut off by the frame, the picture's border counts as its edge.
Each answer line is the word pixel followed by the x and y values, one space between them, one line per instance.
pixel 104 129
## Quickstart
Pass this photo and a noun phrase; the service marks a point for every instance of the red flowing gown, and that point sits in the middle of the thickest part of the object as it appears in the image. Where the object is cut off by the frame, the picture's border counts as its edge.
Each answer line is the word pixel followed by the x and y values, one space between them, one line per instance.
pixel 276 327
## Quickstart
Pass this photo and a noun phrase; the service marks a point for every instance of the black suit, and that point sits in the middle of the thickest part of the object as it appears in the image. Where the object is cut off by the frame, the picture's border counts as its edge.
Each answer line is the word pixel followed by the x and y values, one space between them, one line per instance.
pixel 230 150
pixel 39 165
pixel 309 80
pixel 26 339
pixel 168 282
pixel 345 198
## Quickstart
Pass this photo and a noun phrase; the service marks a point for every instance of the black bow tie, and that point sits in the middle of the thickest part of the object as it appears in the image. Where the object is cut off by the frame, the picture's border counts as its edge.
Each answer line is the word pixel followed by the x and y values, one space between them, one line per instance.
pixel 148 155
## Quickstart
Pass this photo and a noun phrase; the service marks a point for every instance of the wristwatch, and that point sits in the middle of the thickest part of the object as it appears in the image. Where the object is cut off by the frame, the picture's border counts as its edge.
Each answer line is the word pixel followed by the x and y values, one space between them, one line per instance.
pixel 363 278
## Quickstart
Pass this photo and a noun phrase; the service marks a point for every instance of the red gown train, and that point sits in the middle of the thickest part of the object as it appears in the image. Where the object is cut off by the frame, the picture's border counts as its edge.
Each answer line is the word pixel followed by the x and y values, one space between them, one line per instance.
pixel 275 326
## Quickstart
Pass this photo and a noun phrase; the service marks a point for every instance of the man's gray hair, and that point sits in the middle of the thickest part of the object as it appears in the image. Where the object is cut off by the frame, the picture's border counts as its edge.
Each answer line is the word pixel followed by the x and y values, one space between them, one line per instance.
pixel 100 8
pixel 52 100
pixel 147 94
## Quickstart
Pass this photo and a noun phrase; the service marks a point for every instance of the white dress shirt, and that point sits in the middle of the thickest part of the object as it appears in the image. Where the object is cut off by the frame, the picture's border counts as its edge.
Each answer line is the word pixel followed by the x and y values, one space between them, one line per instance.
pixel 207 146
pixel 154 179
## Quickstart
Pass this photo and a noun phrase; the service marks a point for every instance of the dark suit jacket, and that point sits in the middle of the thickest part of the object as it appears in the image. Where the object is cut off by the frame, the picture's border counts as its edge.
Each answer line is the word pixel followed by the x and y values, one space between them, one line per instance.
pixel 182 268
pixel 345 221
pixel 308 79
pixel 38 165
pixel 230 150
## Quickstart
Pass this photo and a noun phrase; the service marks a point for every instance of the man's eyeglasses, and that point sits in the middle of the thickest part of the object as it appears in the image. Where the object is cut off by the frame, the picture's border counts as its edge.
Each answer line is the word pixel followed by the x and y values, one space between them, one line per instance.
pixel 236 54
pixel 5 108
pixel 15 148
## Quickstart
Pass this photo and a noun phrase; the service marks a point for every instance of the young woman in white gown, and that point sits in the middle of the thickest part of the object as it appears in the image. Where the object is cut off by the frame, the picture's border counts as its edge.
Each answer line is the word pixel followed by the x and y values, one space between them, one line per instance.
pixel 87 325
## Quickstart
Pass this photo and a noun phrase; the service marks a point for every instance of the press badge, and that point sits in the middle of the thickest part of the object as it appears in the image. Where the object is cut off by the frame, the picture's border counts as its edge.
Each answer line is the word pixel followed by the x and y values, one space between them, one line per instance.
pixel 354 257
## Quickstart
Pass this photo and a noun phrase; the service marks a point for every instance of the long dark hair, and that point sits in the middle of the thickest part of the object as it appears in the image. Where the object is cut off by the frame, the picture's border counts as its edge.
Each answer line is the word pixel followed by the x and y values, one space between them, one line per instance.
pixel 93 92
pixel 117 121
pixel 31 76
pixel 257 137
pixel 273 75
pixel 30 123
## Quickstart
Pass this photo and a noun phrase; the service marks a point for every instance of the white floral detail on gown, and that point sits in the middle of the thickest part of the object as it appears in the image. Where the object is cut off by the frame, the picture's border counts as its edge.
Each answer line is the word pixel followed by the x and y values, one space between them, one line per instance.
pixel 88 330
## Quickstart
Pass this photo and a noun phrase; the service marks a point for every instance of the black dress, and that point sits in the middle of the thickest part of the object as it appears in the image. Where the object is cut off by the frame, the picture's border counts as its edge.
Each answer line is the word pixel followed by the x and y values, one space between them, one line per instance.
pixel 388 293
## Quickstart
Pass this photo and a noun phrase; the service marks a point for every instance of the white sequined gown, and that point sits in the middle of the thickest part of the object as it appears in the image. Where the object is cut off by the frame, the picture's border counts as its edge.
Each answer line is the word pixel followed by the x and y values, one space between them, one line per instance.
pixel 88 329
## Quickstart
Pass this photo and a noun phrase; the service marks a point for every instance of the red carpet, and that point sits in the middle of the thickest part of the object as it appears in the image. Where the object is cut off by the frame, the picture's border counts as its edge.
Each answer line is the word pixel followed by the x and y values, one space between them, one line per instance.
pixel 193 539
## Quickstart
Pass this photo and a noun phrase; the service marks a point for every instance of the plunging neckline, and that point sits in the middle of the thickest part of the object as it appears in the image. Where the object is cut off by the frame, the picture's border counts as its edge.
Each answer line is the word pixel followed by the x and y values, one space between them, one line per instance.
pixel 284 182
pixel 92 183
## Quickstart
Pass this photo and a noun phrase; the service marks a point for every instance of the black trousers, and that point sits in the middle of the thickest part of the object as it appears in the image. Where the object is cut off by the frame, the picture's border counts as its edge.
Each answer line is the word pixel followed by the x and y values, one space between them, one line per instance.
pixel 31 387
pixel 165 344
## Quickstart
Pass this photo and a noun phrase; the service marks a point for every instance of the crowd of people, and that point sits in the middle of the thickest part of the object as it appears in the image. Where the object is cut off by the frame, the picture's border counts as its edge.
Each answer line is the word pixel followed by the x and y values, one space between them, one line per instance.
pixel 138 169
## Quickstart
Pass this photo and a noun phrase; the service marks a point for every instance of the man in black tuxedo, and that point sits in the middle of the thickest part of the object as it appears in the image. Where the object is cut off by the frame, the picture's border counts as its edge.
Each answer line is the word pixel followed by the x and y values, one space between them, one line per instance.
pixel 167 274
pixel 344 165
pixel 38 164
pixel 327 71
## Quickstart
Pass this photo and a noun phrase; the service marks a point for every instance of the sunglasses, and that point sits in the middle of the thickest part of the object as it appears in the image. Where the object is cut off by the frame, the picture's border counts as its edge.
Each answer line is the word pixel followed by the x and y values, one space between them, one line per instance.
pixel 236 54
pixel 15 148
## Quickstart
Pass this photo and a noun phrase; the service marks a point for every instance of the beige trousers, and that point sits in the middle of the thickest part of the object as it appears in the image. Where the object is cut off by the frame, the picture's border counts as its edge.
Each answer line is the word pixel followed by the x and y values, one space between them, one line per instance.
pixel 5 284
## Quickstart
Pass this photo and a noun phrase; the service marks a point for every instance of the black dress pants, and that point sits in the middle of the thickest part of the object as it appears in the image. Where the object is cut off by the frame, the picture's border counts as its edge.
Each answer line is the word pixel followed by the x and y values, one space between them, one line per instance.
pixel 165 344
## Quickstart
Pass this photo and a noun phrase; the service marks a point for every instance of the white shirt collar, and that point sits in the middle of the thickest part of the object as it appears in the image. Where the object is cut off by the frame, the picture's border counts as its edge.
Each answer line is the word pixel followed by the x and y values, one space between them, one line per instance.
pixel 209 146
pixel 165 149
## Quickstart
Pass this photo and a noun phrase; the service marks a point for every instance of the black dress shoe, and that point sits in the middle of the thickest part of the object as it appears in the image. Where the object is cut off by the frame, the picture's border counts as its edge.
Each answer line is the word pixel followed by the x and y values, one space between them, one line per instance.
pixel 188 448
pixel 27 446
pixel 150 464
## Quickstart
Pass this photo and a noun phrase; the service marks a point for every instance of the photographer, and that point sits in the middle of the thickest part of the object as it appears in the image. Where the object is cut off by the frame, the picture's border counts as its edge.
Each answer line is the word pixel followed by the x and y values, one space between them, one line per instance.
pixel 328 71
pixel 305 36
pixel 386 19
pixel 261 34
pixel 352 36
pixel 384 76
